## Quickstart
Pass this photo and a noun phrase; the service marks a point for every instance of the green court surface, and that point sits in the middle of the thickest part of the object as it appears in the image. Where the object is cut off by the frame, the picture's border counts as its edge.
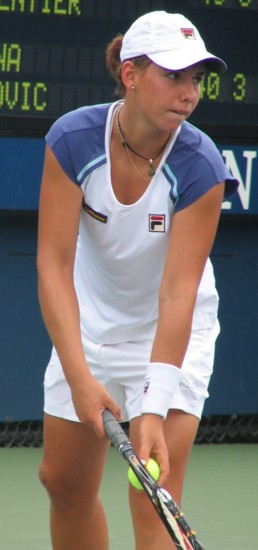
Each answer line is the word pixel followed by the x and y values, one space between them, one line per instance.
pixel 220 500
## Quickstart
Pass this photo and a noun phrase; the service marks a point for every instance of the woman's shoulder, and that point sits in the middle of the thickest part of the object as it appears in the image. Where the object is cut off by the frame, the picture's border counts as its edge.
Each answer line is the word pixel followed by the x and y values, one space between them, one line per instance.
pixel 83 119
pixel 195 165
pixel 195 141
pixel 78 138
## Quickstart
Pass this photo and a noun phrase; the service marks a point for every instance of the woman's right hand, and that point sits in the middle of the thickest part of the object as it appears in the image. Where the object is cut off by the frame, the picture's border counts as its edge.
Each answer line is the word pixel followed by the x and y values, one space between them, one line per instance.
pixel 90 399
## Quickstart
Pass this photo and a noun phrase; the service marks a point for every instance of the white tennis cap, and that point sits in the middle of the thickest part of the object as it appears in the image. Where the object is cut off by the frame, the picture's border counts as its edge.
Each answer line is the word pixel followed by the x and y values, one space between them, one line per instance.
pixel 169 40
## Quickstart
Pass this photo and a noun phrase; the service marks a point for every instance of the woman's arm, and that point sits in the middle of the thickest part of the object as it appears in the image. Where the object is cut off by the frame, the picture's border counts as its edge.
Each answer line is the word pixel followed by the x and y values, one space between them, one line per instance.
pixel 59 214
pixel 192 236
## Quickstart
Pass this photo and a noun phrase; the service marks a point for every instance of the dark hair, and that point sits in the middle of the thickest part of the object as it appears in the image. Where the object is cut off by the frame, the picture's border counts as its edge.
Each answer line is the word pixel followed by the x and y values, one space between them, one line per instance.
pixel 114 65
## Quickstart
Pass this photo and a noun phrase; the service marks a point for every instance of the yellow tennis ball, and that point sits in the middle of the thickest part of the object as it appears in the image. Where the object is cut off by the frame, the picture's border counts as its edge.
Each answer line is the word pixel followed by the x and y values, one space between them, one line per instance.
pixel 153 469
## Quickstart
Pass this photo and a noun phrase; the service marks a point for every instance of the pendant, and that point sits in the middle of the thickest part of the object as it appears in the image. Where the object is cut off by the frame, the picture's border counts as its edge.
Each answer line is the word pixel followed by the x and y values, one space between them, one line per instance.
pixel 151 171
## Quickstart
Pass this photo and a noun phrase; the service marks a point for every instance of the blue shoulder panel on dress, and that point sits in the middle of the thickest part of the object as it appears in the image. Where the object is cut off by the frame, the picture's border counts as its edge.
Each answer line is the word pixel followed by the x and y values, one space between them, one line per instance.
pixel 77 139
pixel 194 166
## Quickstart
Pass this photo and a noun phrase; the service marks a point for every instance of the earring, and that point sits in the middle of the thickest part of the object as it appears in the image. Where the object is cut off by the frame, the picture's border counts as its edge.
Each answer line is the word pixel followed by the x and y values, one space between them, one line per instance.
pixel 133 87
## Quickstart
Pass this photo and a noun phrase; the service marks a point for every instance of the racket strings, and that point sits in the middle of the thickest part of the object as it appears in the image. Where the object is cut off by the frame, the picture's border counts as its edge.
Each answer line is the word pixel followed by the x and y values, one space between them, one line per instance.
pixel 178 533
pixel 188 532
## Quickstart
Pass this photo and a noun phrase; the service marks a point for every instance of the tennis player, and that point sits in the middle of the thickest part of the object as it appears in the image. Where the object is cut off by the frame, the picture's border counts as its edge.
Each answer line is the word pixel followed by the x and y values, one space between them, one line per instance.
pixel 130 201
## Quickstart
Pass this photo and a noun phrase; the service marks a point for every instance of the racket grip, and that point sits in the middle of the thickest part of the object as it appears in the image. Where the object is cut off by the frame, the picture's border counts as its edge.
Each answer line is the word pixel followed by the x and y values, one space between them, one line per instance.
pixel 114 430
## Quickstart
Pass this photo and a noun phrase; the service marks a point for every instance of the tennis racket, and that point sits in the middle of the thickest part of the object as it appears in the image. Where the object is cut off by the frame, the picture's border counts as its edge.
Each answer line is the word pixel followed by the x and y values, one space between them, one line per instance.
pixel 173 518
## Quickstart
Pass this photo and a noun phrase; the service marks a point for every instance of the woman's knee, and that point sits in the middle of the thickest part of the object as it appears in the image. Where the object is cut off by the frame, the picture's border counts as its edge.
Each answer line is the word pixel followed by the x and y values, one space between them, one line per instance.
pixel 68 471
pixel 63 489
pixel 149 531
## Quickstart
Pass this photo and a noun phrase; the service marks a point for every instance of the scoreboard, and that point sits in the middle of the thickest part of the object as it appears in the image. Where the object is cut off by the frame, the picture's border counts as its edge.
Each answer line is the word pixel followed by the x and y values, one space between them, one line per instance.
pixel 52 60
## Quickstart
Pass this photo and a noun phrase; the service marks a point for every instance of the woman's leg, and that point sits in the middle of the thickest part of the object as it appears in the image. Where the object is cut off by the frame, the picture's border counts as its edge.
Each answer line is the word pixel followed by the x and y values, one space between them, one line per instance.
pixel 180 432
pixel 71 471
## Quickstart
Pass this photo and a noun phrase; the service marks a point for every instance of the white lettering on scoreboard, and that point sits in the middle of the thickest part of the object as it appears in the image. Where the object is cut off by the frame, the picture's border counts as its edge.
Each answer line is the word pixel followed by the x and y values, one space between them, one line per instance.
pixel 246 179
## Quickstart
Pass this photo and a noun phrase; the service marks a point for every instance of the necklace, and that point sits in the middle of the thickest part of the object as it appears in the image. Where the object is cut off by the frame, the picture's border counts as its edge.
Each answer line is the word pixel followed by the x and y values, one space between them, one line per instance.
pixel 135 167
pixel 151 169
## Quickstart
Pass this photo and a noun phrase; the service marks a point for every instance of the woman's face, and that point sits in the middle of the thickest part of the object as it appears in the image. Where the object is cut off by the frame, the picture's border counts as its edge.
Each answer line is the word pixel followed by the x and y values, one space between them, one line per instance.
pixel 167 98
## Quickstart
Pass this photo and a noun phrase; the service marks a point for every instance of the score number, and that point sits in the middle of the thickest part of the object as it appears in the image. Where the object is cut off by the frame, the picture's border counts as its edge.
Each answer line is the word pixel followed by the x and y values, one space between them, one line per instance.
pixel 211 88
pixel 228 3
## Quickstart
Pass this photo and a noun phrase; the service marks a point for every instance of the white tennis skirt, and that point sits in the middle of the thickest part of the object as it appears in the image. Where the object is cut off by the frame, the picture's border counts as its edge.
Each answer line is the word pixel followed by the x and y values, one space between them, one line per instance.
pixel 121 369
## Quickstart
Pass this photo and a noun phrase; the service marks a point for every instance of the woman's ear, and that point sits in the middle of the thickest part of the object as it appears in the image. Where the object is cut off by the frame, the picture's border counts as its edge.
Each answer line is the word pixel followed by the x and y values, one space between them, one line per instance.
pixel 128 75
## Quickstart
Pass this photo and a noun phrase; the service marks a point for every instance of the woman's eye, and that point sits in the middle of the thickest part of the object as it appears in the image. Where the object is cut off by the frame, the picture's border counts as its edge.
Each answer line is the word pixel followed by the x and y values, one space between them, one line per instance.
pixel 198 79
pixel 174 76
pixel 177 76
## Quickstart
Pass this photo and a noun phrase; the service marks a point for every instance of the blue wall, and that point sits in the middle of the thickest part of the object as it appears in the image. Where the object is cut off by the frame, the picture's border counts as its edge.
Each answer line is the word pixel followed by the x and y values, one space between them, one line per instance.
pixel 24 344
pixel 234 386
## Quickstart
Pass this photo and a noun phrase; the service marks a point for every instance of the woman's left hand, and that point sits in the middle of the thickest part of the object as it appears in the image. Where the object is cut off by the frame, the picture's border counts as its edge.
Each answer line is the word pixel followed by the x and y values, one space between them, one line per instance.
pixel 152 443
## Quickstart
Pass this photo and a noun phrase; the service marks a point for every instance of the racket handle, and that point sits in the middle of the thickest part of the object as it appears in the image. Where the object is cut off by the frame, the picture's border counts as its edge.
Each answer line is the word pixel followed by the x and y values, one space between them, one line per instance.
pixel 114 430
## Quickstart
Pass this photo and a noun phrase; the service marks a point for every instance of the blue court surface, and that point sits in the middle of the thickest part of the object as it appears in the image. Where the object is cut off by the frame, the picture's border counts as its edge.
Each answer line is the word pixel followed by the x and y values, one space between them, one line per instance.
pixel 220 499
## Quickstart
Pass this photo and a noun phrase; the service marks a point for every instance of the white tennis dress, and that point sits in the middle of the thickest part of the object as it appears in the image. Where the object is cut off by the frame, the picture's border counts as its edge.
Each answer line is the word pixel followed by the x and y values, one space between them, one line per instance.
pixel 122 248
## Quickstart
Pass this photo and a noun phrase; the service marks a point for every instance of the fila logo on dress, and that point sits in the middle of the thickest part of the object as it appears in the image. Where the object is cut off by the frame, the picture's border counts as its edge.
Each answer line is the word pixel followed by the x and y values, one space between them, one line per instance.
pixel 157 223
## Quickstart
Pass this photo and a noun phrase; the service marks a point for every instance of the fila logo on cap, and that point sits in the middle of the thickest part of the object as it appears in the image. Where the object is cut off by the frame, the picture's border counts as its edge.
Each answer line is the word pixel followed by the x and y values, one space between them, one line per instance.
pixel 188 33
pixel 157 223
